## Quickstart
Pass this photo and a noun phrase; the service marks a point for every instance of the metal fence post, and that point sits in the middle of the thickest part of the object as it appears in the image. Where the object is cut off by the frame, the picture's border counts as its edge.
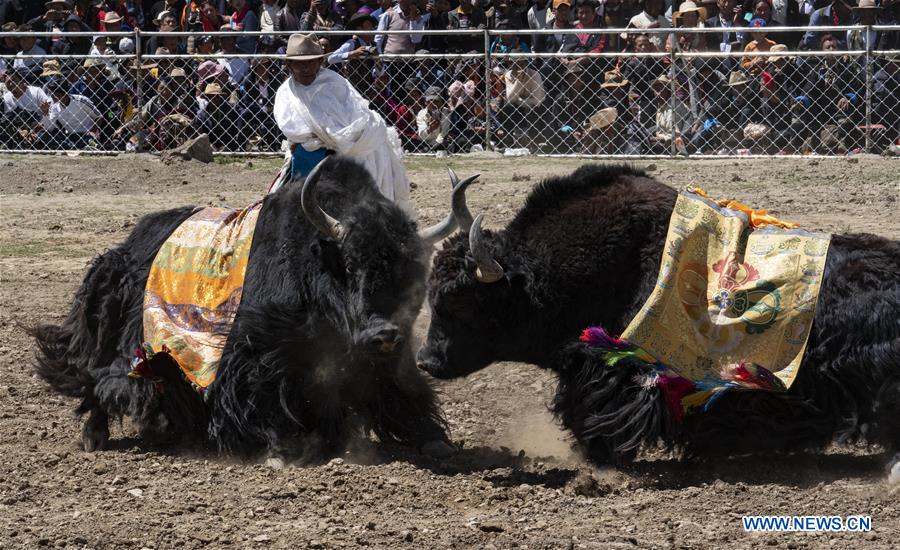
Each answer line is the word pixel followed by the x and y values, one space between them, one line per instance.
pixel 868 90
pixel 673 151
pixel 487 90
pixel 139 93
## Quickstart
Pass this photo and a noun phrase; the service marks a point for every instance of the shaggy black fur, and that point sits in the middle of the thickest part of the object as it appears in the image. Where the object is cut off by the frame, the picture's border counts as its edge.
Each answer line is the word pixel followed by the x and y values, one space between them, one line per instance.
pixel 585 250
pixel 299 373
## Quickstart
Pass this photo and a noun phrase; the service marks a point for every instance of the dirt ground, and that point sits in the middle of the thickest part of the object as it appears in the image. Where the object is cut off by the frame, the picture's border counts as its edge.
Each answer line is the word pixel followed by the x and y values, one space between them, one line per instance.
pixel 515 483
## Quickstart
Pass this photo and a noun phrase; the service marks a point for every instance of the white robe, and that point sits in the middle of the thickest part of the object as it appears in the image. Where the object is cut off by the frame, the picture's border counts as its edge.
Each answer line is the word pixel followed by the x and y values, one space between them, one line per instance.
pixel 330 113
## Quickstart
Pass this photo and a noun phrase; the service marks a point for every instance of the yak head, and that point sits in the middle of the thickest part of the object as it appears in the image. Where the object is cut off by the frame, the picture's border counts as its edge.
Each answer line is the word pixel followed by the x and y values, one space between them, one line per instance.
pixel 480 310
pixel 374 261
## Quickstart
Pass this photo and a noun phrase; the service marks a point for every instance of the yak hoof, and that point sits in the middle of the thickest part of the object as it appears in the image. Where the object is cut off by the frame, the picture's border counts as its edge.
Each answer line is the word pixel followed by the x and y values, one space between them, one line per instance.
pixel 894 473
pixel 275 462
pixel 438 449
pixel 95 434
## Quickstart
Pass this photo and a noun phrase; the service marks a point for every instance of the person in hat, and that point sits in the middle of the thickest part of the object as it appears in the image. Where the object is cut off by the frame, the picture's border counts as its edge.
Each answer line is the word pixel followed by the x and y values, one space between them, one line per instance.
pixel 111 21
pixel 321 16
pixel 69 120
pixel 145 128
pixel 468 15
pixel 838 12
pixel 672 119
pixel 96 85
pixel 9 45
pixel 690 16
pixel 754 64
pixel 28 46
pixel 433 120
pixel 72 45
pixel 166 6
pixel 866 13
pixel 255 106
pixel 355 58
pixel 589 42
pixel 319 111
pixel 219 120
pixel 50 69
pixel 22 110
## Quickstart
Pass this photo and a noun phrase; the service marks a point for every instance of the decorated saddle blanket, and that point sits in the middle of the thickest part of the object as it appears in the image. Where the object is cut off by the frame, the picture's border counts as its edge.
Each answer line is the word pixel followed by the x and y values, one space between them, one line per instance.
pixel 194 290
pixel 733 303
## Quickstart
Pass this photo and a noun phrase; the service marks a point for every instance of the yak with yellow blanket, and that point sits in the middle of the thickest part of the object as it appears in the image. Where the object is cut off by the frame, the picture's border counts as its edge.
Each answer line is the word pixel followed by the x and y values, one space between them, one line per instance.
pixel 283 328
pixel 744 334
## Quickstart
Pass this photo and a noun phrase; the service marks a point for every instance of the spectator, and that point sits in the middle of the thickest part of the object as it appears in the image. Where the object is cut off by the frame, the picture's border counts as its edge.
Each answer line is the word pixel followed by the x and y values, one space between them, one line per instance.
pixel 267 15
pixel 243 19
pixel 28 46
pixel 237 67
pixel 729 16
pixel 501 10
pixel 213 18
pixel 111 22
pixel 218 119
pixel 539 17
pixel 73 45
pixel 866 14
pixel 205 44
pixel 430 72
pixel 886 97
pixel 88 11
pixel 132 12
pixel 321 17
pixel 433 120
pixel 613 17
pixel 754 64
pixel 50 21
pixel 51 71
pixel 290 16
pixel 170 6
pixel 832 101
pixel 467 16
pixel 776 100
pixel 183 88
pixel 148 125
pixel 466 117
pixel 690 16
pixel 651 18
pixel 404 16
pixel 355 58
pixel 255 108
pixel 739 106
pixel 673 120
pixel 194 19
pixel 68 121
pixel 22 111
pixel 167 22
pixel 96 86
pixel 524 97
pixel 507 43
pixel 9 45
pixel 438 20
pixel 836 13
pixel 557 43
pixel 589 42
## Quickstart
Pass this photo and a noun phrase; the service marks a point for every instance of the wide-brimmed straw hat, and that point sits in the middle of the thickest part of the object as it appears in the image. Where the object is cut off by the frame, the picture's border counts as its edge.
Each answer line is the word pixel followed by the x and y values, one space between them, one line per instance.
pixel 689 7
pixel 779 48
pixel 613 79
pixel 866 5
pixel 603 118
pixel 51 68
pixel 111 17
pixel 213 88
pixel 304 47
pixel 736 78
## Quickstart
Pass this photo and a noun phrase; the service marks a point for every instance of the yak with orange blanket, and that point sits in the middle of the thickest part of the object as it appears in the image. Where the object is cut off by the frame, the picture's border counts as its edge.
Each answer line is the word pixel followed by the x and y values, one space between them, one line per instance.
pixel 592 249
pixel 294 344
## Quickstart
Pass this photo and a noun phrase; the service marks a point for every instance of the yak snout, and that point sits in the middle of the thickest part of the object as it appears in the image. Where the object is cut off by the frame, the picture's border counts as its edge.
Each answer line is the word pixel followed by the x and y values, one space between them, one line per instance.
pixel 380 337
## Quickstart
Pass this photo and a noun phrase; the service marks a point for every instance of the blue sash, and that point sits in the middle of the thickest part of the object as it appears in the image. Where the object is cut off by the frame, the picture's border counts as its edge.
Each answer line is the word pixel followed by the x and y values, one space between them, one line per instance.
pixel 303 161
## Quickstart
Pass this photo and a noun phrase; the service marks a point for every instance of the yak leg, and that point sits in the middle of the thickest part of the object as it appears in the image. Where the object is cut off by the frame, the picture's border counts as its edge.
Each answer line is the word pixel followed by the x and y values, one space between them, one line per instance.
pixel 887 414
pixel 407 412
pixel 95 434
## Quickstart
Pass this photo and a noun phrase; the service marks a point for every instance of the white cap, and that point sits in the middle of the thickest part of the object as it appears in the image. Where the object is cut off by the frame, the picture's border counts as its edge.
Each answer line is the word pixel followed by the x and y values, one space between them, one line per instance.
pixel 126 45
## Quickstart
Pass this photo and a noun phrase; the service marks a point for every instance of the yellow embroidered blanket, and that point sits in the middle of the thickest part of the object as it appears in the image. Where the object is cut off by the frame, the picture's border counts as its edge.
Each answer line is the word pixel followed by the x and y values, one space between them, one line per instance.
pixel 194 290
pixel 735 286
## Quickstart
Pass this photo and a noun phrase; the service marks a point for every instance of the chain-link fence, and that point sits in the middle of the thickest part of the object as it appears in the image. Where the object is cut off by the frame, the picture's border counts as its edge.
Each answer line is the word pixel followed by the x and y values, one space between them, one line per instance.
pixel 566 91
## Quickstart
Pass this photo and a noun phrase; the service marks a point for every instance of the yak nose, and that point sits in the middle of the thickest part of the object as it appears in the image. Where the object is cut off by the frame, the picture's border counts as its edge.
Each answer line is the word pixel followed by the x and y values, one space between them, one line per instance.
pixel 385 340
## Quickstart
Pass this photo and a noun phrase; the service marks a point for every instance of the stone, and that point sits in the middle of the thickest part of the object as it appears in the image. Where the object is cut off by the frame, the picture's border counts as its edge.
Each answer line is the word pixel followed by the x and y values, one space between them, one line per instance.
pixel 198 148
pixel 138 493
pixel 262 538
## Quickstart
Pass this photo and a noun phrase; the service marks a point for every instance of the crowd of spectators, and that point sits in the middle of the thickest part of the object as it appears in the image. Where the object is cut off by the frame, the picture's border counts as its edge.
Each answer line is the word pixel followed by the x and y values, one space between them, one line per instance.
pixel 94 90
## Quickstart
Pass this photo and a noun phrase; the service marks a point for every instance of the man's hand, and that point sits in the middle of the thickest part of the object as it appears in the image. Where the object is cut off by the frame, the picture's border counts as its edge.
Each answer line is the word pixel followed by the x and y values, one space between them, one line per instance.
pixel 45 108
pixel 843 104
pixel 315 5
pixel 361 51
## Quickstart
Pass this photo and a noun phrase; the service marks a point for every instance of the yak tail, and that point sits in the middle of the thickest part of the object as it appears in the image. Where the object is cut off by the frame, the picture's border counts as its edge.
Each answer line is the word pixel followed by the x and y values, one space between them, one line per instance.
pixel 52 363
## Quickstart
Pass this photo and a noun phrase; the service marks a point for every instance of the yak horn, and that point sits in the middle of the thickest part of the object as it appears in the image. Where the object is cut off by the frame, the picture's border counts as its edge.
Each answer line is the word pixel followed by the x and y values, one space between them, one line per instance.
pixel 459 215
pixel 460 208
pixel 329 226
pixel 489 271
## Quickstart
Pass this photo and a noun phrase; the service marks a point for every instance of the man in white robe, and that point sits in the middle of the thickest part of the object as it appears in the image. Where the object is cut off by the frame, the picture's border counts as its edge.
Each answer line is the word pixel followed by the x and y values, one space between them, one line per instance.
pixel 319 112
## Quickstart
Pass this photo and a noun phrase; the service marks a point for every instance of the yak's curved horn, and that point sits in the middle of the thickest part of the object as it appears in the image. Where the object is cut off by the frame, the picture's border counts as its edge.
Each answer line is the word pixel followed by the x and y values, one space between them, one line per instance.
pixel 489 271
pixel 460 208
pixel 329 226
pixel 459 215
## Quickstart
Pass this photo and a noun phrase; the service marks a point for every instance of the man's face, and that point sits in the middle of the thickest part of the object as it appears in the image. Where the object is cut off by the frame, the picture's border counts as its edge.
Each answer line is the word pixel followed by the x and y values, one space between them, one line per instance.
pixel 238 5
pixel 726 8
pixel 15 85
pixel 829 45
pixel 113 27
pixel 689 19
pixel 227 44
pixel 562 13
pixel 642 44
pixel 585 14
pixel 304 72
pixel 762 10
pixel 167 24
pixel 26 43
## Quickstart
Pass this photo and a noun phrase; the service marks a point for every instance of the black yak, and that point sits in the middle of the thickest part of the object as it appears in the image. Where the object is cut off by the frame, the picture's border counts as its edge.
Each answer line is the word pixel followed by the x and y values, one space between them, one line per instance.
pixel 585 250
pixel 320 347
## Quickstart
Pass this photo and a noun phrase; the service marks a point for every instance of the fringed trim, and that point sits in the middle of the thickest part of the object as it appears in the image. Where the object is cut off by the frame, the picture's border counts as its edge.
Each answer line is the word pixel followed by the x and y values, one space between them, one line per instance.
pixel 683 395
pixel 143 366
